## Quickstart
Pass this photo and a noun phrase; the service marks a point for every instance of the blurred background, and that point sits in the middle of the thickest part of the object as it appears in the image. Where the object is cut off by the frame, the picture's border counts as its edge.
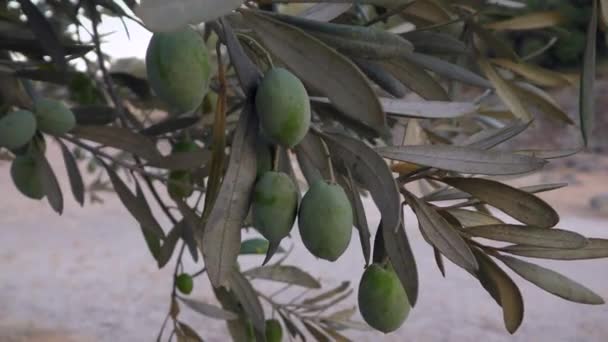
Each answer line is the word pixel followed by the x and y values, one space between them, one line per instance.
pixel 88 276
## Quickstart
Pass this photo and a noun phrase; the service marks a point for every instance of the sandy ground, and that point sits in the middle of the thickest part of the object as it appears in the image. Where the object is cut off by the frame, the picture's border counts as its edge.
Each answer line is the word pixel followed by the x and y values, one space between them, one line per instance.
pixel 87 276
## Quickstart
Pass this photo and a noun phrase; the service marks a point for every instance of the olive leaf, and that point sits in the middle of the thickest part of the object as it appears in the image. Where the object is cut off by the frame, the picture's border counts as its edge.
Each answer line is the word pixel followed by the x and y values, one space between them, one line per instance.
pixel 441 234
pixel 487 139
pixel 327 294
pixel 528 235
pixel 315 332
pixel 529 21
pixel 308 169
pixel 191 222
pixel 503 290
pixel 76 182
pixel 470 218
pixel 448 70
pixel 370 170
pixel 595 249
pixel 552 281
pixel 587 87
pixel 209 310
pixel 312 151
pixel 376 73
pixel 246 70
pixel 439 260
pixel 490 41
pixel 221 240
pixel 550 154
pixel 322 68
pixel 154 246
pixel 120 138
pixel 448 194
pixel 535 74
pixel 256 247
pixel 246 295
pixel 432 42
pixel 185 333
pixel 94 115
pixel 428 109
pixel 360 219
pixel 285 274
pixel 505 90
pixel 169 125
pixel 541 100
pixel 360 41
pixel 416 79
pixel 519 204
pixel 424 110
pixel 400 253
pixel 239 329
pixel 45 33
pixel 50 185
pixel 291 327
pixel 463 159
pixel 165 252
pixel 191 160
pixel 135 204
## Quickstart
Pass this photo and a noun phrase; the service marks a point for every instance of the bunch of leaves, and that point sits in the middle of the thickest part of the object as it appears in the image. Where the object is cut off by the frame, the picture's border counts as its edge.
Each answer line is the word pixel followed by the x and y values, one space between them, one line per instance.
pixel 548 33
pixel 369 76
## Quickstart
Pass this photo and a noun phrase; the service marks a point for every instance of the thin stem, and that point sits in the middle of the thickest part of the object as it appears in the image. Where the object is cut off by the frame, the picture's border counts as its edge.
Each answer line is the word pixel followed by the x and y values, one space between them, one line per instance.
pixel 277 158
pixel 134 168
pixel 281 290
pixel 390 13
pixel 176 270
pixel 122 113
pixel 199 272
pixel 332 176
pixel 162 327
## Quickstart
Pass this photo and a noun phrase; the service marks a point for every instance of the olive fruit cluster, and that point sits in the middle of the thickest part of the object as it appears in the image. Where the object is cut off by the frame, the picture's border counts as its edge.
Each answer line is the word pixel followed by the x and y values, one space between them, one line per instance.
pixel 20 132
pixel 325 216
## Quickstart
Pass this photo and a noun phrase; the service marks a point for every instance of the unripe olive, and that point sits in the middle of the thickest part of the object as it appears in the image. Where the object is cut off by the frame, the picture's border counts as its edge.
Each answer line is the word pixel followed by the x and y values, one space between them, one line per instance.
pixel 178 68
pixel 54 117
pixel 17 129
pixel 184 283
pixel 383 302
pixel 36 145
pixel 25 177
pixel 325 220
pixel 275 205
pixel 274 332
pixel 283 107
pixel 185 146
pixel 180 184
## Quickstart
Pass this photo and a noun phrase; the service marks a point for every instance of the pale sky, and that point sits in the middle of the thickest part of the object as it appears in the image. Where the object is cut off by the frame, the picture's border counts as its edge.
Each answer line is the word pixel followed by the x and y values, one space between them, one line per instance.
pixel 118 44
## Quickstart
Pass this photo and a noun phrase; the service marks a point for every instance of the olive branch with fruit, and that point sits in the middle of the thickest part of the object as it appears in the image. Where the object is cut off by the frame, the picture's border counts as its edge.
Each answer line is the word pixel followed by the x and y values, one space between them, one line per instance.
pixel 354 99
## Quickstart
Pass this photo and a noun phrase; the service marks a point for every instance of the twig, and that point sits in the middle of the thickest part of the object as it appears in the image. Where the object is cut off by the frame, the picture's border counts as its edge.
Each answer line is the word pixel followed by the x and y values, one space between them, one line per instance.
pixel 390 13
pixel 199 272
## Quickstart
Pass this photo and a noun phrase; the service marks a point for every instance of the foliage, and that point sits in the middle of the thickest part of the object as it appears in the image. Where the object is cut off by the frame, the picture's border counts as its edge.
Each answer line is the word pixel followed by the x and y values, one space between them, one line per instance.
pixel 385 81
pixel 561 30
